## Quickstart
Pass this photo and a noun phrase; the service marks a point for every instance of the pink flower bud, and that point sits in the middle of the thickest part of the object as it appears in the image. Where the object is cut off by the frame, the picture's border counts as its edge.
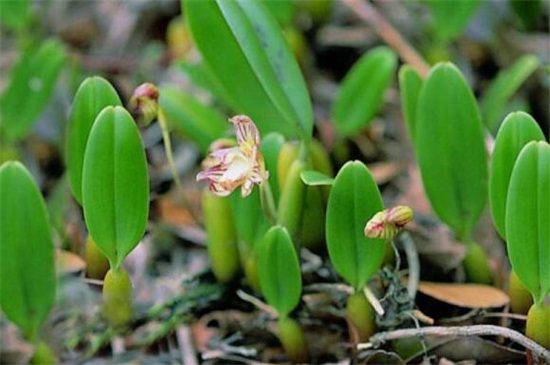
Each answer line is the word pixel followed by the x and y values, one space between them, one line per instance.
pixel 144 102
pixel 388 223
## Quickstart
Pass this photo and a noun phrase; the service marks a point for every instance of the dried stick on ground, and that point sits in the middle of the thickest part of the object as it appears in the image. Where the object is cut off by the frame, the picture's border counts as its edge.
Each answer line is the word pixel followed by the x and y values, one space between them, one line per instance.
pixel 389 34
pixel 477 330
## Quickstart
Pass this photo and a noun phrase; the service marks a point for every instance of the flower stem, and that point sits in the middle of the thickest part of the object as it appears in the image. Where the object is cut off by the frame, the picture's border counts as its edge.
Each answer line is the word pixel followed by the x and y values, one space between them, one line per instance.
pixel 268 202
pixel 170 159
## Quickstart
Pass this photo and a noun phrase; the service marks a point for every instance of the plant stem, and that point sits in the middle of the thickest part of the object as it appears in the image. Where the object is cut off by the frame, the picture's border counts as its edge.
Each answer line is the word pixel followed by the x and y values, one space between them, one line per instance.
pixel 412 262
pixel 267 202
pixel 170 158
pixel 389 34
pixel 476 330
pixel 257 303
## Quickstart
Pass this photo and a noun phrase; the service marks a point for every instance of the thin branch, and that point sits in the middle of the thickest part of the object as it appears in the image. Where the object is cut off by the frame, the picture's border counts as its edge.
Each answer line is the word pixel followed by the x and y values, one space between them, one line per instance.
pixel 480 313
pixel 185 342
pixel 412 262
pixel 389 34
pixel 257 303
pixel 117 345
pixel 477 330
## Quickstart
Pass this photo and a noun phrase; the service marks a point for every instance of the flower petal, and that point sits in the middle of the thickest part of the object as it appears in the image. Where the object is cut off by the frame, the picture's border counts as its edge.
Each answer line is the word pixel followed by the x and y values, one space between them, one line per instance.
pixel 246 131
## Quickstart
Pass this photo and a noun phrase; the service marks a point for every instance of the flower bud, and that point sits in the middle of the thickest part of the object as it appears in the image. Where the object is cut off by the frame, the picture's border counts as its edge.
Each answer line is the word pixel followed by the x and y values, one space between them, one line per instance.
pixel 144 102
pixel 399 215
pixel 387 223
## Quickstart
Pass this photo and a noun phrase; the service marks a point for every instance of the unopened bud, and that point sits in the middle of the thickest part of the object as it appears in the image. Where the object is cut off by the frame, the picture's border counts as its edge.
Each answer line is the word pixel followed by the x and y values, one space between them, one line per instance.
pixel 387 223
pixel 399 215
pixel 144 102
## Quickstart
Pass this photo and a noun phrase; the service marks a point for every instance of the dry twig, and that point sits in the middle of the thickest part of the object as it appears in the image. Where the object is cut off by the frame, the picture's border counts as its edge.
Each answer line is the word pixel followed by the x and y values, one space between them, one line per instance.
pixel 389 34
pixel 477 330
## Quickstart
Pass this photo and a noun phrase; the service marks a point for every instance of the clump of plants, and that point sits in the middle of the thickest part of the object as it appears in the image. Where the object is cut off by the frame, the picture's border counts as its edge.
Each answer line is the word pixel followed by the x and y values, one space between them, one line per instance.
pixel 298 227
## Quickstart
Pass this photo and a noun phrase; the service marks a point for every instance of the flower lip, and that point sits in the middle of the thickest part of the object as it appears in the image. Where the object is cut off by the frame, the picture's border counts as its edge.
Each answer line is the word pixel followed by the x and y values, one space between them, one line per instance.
pixel 227 168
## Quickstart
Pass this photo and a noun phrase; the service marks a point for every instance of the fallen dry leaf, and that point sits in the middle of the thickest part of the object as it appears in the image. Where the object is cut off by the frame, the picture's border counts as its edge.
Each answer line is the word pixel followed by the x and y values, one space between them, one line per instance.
pixel 68 262
pixel 172 212
pixel 465 295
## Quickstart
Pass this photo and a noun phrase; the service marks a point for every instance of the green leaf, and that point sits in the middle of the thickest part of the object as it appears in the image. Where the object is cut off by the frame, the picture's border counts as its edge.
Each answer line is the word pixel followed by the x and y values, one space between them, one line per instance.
pixel 316 178
pixel 198 122
pixel 410 84
pixel 362 91
pixel 201 78
pixel 115 184
pixel 451 150
pixel 31 85
pixel 27 270
pixel 451 17
pixel 527 217
pixel 282 10
pixel 250 220
pixel 494 101
pixel 15 14
pixel 92 96
pixel 515 132
pixel 280 275
pixel 243 46
pixel 270 148
pixel 353 200
pixel 529 12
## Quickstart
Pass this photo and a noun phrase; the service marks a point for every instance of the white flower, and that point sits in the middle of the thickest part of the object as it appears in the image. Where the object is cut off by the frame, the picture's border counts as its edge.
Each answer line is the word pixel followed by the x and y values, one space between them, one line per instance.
pixel 225 169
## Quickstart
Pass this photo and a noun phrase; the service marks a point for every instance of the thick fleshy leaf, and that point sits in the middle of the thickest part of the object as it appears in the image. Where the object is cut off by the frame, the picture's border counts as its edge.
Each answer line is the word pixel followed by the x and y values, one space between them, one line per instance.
pixel 31 84
pixel 451 150
pixel 94 94
pixel 282 10
pixel 354 199
pixel 250 220
pixel 27 269
pixel 243 47
pixel 528 217
pixel 15 14
pixel 280 275
pixel 451 17
pixel 316 178
pixel 516 131
pixel 363 89
pixel 410 84
pixel 195 120
pixel 508 81
pixel 201 78
pixel 115 184
pixel 529 12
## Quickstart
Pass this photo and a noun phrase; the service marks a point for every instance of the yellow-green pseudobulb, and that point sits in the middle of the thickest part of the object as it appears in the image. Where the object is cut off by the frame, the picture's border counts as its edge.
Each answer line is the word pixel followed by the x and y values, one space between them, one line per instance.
pixel 43 355
pixel 97 264
pixel 221 237
pixel 293 340
pixel 117 298
pixel 520 298
pixel 476 265
pixel 360 316
pixel 538 324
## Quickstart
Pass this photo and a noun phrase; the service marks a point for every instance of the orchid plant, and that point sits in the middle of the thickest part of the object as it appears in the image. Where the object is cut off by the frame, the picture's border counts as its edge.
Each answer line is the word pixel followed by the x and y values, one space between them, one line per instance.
pixel 272 192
